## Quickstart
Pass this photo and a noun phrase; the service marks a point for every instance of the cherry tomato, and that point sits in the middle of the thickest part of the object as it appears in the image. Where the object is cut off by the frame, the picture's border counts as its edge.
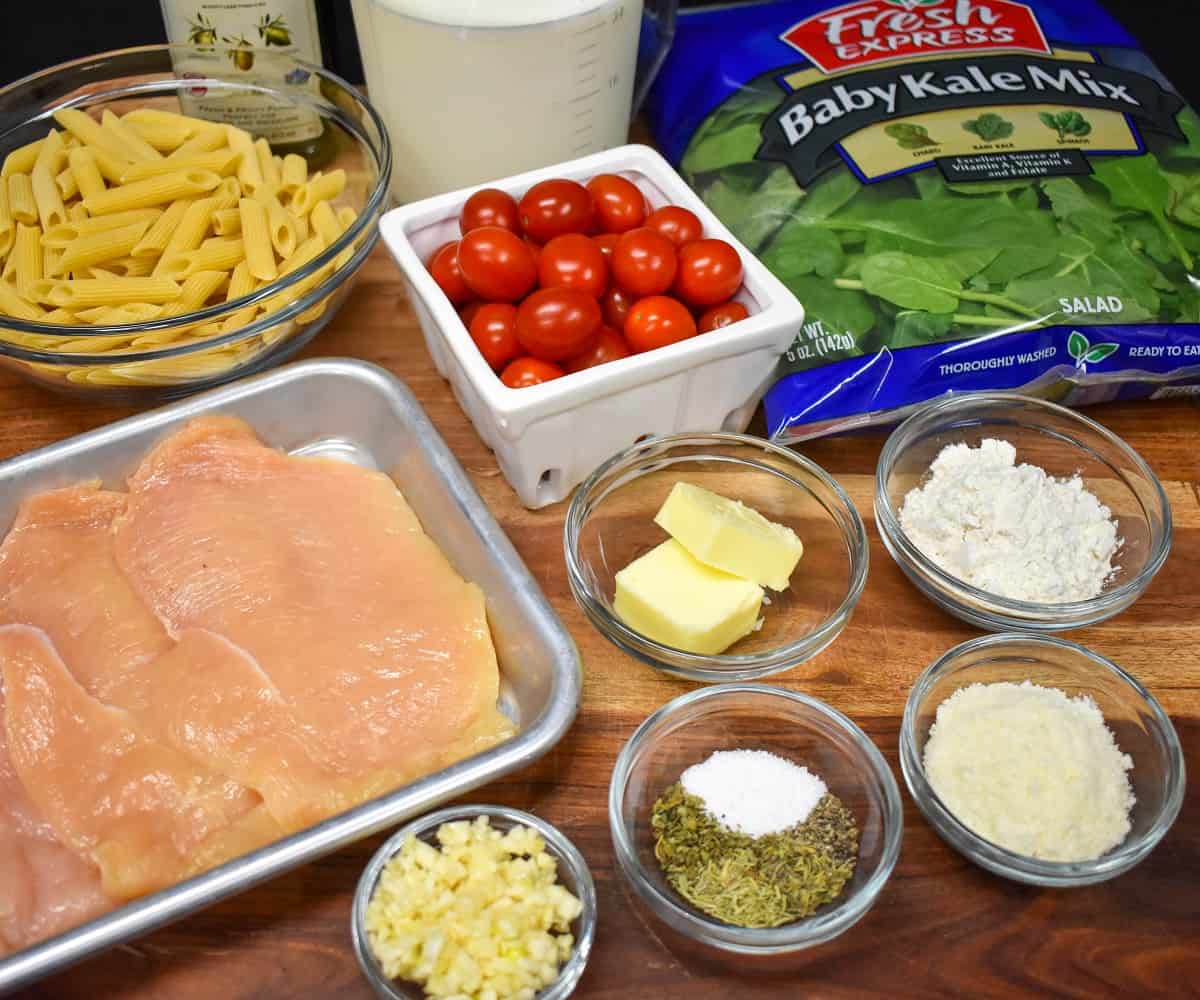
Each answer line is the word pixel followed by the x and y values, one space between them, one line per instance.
pixel 722 315
pixel 573 261
pixel 607 242
pixel 710 271
pixel 657 321
pixel 443 265
pixel 489 207
pixel 616 304
pixel 494 331
pixel 496 264
pixel 529 371
pixel 551 208
pixel 609 346
pixel 468 312
pixel 643 262
pixel 557 323
pixel 535 249
pixel 676 223
pixel 620 206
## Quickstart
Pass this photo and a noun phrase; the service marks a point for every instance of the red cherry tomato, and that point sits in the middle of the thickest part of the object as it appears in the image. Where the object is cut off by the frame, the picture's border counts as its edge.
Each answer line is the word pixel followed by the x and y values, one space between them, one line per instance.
pixel 620 206
pixel 535 249
pixel 443 265
pixel 609 346
pixel 494 331
pixel 551 208
pixel 616 304
pixel 557 323
pixel 676 223
pixel 722 315
pixel 607 242
pixel 468 312
pixel 529 371
pixel 710 271
pixel 573 261
pixel 496 264
pixel 657 321
pixel 489 207
pixel 643 262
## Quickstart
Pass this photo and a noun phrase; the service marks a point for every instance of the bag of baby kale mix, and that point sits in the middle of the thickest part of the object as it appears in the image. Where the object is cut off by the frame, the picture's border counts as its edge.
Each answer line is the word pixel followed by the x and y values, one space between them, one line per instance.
pixel 965 195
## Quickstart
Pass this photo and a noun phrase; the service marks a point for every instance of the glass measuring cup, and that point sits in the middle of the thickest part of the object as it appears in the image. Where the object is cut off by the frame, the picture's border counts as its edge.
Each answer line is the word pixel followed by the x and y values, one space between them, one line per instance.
pixel 474 89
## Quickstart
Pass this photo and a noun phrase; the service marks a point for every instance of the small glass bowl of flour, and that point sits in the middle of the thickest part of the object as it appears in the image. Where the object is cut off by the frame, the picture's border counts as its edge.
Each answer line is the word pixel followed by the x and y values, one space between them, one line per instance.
pixel 1040 760
pixel 1014 513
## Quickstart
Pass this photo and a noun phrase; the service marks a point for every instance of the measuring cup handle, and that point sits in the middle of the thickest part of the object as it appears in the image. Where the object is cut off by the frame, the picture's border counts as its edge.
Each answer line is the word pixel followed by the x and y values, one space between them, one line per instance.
pixel 664 17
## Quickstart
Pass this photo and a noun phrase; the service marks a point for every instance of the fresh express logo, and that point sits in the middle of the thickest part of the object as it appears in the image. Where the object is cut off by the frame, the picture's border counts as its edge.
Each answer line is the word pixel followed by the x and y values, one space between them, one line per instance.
pixel 878 30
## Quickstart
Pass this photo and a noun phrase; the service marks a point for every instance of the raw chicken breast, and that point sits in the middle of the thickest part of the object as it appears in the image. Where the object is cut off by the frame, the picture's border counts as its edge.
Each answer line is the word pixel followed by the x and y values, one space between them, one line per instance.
pixel 321 572
pixel 44 886
pixel 142 811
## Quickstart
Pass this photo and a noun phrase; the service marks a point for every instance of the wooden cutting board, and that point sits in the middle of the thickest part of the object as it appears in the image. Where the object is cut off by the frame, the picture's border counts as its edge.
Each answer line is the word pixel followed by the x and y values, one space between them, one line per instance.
pixel 941 925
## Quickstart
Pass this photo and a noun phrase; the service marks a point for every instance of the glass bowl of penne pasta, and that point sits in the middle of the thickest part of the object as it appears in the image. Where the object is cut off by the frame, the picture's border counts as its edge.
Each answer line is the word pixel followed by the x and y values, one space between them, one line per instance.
pixel 167 225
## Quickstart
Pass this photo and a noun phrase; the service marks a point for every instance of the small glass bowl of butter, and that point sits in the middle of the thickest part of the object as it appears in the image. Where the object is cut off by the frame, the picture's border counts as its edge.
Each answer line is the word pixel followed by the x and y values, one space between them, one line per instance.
pixel 634 526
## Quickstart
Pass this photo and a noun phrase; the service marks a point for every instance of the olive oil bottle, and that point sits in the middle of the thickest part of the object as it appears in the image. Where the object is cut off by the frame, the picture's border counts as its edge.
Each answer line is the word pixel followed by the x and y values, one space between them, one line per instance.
pixel 256 42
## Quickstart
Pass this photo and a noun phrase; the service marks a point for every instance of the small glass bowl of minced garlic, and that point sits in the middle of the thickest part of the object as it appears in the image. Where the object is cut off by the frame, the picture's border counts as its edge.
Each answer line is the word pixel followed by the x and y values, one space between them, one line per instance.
pixel 725 782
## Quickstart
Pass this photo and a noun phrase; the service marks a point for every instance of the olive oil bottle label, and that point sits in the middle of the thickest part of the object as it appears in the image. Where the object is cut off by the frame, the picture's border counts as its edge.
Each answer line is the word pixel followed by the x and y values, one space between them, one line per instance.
pixel 253 42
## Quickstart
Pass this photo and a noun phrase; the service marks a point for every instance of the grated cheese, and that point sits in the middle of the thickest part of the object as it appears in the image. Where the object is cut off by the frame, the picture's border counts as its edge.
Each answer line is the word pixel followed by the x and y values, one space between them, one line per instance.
pixel 1031 769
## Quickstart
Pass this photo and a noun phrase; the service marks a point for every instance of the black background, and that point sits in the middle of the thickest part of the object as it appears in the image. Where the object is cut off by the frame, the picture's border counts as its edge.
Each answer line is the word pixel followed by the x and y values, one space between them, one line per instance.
pixel 32 41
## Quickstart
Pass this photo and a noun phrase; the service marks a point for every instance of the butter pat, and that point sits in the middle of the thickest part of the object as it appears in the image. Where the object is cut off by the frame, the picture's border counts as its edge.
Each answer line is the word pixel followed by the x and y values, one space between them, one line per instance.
pixel 669 597
pixel 730 536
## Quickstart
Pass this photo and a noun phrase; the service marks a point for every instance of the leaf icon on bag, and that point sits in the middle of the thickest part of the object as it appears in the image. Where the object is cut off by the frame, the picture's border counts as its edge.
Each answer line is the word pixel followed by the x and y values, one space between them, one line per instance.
pixel 1086 353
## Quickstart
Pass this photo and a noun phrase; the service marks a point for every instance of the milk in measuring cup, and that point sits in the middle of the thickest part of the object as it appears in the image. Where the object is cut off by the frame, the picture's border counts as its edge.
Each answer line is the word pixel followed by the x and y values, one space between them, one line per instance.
pixel 472 90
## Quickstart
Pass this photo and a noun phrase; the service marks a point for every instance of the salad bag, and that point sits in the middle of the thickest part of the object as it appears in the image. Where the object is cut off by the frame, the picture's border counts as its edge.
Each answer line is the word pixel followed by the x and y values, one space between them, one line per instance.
pixel 964 194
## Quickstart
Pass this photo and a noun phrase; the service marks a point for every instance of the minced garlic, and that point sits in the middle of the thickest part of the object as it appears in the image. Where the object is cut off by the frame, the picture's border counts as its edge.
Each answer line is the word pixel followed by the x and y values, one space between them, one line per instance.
pixel 1031 770
pixel 483 918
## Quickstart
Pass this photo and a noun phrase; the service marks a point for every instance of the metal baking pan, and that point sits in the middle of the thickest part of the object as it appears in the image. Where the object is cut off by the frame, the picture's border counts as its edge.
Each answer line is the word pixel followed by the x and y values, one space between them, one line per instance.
pixel 359 413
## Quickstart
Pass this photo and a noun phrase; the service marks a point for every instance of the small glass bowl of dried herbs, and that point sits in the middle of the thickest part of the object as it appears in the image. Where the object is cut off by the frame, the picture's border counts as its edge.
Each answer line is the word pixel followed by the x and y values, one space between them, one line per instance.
pixel 752 823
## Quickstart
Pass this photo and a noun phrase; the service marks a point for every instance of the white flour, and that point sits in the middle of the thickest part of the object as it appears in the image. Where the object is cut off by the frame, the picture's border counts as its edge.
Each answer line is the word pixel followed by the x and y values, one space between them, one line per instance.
pixel 1011 529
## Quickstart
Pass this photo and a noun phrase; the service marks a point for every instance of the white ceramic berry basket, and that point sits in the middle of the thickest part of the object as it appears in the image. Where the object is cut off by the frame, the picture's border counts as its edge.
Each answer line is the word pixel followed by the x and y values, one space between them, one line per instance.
pixel 548 438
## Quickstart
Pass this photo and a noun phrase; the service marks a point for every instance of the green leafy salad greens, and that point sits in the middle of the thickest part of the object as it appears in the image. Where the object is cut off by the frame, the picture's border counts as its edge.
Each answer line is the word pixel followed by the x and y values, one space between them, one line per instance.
pixel 917 259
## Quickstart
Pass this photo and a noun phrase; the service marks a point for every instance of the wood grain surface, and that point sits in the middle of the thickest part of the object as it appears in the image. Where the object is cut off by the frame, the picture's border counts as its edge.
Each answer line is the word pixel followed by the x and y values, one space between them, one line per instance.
pixel 941 926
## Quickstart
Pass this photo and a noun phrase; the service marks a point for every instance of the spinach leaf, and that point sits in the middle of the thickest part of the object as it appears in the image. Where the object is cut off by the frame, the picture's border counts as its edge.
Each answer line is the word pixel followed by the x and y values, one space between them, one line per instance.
pixel 912 327
pixel 839 310
pixel 926 283
pixel 1012 262
pixel 958 224
pixel 1138 182
pixel 1069 198
pixel 754 217
pixel 799 249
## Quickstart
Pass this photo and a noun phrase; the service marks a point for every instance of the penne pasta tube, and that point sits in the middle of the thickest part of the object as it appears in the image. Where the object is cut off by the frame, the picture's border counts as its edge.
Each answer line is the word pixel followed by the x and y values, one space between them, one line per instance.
pixel 256 238
pixel 306 252
pixel 220 254
pixel 21 203
pixel 130 267
pixel 85 292
pixel 312 312
pixel 64 317
pixel 27 259
pixel 107 244
pixel 116 341
pixel 228 194
pixel 152 191
pixel 227 222
pixel 62 236
pixel 241 282
pixel 326 187
pixel 222 162
pixel 13 304
pixel 22 159
pixel 77 213
pixel 68 187
pixel 7 226
pixel 325 222
pixel 90 133
pixel 161 230
pixel 300 224
pixel 249 174
pixel 53 153
pixel 204 141
pixel 190 230
pixel 47 197
pixel 163 137
pixel 284 234
pixel 112 168
pixel 346 216
pixel 88 180
pixel 51 261
pixel 266 164
pixel 135 147
pixel 195 291
pixel 183 126
pixel 294 174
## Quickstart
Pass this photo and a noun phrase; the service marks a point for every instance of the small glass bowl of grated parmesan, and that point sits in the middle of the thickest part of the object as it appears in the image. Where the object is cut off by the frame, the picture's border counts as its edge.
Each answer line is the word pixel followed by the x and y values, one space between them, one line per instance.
pixel 476 901
pixel 1014 513
pixel 1046 745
